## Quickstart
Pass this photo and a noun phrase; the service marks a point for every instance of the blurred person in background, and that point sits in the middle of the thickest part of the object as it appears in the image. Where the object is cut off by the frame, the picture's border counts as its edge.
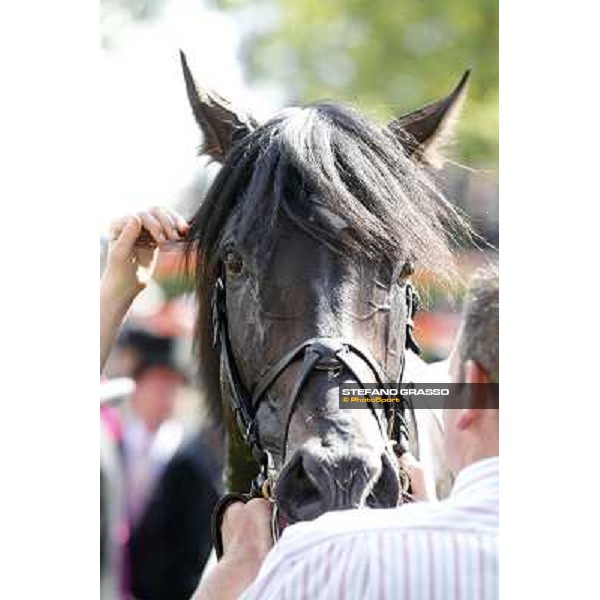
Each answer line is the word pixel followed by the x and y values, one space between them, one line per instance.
pixel 151 432
pixel 170 478
pixel 112 392
pixel 170 474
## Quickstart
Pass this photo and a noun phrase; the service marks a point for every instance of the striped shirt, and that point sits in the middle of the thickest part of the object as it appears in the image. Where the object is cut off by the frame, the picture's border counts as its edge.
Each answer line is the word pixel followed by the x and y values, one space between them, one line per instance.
pixel 445 550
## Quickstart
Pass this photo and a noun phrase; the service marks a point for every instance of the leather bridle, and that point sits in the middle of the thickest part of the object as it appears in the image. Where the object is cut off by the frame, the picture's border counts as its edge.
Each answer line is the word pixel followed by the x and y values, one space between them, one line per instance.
pixel 319 353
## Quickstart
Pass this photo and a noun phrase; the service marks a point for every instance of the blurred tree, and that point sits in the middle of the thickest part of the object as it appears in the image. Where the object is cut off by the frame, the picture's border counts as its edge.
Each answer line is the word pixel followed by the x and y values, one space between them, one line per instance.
pixel 383 56
pixel 118 14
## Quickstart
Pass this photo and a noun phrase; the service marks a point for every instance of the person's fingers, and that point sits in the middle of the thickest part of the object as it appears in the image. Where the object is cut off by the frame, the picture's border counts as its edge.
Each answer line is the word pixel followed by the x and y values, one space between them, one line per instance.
pixel 153 226
pixel 232 520
pixel 416 474
pixel 232 514
pixel 258 512
pixel 122 247
pixel 116 226
pixel 167 222
pixel 161 223
pixel 412 466
pixel 259 507
pixel 181 224
pixel 409 461
pixel 248 526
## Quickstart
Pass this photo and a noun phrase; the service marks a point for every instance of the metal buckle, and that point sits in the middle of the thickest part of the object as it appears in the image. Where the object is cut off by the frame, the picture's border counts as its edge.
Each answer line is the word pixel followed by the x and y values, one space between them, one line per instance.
pixel 413 304
pixel 275 531
pixel 216 309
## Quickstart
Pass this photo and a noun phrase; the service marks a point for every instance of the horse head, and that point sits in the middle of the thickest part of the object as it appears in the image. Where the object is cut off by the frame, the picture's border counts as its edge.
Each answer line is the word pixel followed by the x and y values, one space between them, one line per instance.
pixel 305 244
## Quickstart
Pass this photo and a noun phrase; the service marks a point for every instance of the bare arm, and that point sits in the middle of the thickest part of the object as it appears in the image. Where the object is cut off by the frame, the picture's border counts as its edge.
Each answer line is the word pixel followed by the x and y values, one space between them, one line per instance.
pixel 246 542
pixel 228 580
pixel 113 309
pixel 129 268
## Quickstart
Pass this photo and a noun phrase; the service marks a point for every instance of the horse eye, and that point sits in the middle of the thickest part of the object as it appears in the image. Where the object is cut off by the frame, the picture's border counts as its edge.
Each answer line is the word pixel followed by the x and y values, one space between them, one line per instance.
pixel 234 263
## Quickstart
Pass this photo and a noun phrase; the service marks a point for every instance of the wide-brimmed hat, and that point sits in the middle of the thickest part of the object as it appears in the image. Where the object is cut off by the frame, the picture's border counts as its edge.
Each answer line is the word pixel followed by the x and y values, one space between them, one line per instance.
pixel 153 350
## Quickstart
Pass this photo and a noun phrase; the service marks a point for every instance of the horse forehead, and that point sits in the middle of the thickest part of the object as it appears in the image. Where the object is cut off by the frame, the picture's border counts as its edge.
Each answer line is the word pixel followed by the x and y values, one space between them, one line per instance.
pixel 312 273
pixel 299 254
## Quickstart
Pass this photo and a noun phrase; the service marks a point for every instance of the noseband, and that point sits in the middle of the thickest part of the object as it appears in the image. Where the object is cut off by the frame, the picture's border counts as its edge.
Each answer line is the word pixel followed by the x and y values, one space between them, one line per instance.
pixel 320 354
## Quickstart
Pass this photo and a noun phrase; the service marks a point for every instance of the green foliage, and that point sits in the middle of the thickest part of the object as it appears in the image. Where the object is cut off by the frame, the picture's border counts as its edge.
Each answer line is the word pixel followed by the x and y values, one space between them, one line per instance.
pixel 385 57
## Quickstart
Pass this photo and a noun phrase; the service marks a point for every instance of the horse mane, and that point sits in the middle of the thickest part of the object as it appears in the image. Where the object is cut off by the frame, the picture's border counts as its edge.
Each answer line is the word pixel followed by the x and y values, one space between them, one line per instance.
pixel 328 156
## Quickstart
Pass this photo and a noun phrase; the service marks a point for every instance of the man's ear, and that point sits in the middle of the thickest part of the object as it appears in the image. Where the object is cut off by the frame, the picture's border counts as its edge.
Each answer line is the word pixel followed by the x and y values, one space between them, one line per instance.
pixel 476 397
pixel 475 373
pixel 222 126
pixel 425 132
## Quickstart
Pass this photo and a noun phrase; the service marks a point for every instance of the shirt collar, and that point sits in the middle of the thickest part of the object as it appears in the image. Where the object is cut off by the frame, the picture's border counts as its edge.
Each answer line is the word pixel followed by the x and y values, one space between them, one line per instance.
pixel 477 475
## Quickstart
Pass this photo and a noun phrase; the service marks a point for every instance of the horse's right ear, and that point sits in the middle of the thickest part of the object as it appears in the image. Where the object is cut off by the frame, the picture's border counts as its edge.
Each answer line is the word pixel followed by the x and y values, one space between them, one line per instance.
pixel 221 124
pixel 425 132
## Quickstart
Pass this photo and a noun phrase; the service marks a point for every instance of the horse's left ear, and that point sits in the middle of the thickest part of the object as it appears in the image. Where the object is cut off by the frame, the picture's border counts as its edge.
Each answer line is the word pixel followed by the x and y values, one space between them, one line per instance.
pixel 426 131
pixel 221 124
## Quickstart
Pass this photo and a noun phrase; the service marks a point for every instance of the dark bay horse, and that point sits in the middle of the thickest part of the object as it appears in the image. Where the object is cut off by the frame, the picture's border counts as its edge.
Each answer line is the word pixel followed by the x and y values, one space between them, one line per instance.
pixel 304 247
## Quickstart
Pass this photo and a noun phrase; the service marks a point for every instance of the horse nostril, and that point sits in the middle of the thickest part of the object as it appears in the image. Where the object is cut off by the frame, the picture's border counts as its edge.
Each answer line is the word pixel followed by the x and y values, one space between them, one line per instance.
pixel 301 490
pixel 309 485
pixel 385 493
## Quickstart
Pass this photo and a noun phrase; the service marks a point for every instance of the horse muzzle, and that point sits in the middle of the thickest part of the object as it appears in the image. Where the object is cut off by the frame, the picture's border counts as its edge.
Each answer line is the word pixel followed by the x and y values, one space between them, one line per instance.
pixel 316 480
